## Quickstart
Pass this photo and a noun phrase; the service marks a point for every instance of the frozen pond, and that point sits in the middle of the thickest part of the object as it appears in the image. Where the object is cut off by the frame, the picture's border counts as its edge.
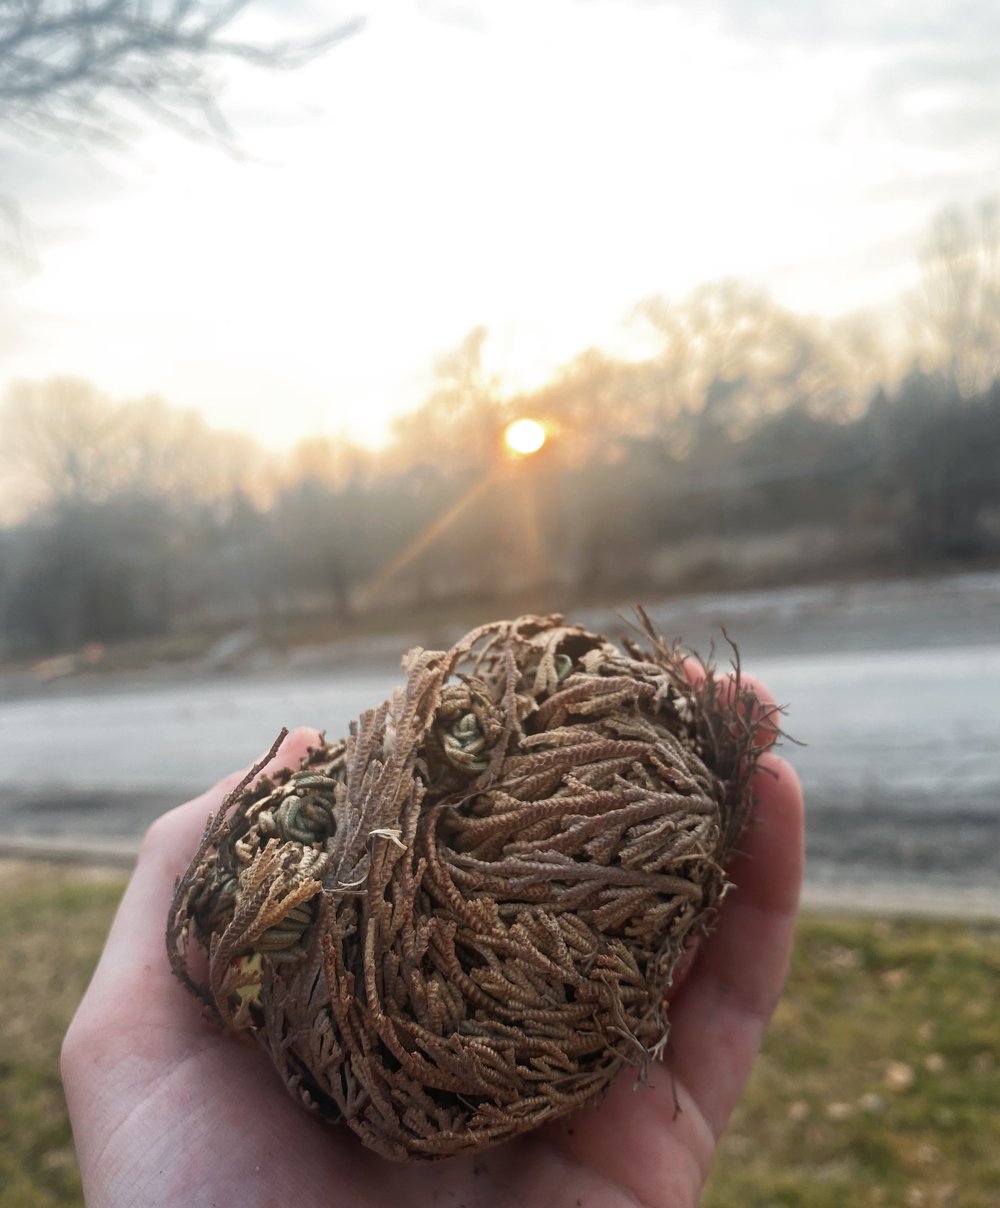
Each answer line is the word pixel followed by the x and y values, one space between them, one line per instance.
pixel 901 761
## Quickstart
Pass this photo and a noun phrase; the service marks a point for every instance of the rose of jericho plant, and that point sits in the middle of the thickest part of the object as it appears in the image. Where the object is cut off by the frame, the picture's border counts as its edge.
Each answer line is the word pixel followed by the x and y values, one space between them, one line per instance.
pixel 464 919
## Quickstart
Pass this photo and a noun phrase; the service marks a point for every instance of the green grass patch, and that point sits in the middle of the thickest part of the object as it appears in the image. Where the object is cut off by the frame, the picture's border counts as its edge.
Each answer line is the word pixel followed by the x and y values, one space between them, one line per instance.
pixel 52 926
pixel 879 1083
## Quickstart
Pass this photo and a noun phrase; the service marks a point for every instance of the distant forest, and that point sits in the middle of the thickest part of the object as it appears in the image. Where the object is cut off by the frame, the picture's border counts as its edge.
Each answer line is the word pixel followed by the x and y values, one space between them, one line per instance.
pixel 750 446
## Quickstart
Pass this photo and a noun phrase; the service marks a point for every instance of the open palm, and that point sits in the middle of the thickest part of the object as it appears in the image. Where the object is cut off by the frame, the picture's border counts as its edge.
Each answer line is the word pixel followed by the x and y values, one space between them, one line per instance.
pixel 167 1111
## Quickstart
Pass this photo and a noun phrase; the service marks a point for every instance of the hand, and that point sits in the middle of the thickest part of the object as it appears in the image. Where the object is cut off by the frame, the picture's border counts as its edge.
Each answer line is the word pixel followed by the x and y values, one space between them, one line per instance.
pixel 168 1111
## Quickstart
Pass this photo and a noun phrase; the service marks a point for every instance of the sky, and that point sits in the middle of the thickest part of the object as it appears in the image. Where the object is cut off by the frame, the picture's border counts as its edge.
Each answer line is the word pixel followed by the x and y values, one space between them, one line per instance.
pixel 536 166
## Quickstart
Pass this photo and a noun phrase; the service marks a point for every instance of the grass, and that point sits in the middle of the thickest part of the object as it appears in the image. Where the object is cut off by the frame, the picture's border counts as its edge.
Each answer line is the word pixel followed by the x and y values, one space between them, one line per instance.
pixel 879 1083
pixel 52 926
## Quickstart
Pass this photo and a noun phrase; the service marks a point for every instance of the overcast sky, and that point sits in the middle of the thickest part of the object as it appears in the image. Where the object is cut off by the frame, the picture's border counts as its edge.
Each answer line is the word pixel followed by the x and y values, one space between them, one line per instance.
pixel 537 166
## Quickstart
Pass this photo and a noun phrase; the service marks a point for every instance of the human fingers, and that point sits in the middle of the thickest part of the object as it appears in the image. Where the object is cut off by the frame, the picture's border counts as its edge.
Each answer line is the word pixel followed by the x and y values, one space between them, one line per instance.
pixel 720 1013
pixel 717 1016
pixel 761 711
pixel 750 695
pixel 724 991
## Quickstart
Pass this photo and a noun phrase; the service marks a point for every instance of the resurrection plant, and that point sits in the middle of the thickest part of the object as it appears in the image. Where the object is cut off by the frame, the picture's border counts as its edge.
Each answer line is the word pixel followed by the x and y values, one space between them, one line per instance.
pixel 464 919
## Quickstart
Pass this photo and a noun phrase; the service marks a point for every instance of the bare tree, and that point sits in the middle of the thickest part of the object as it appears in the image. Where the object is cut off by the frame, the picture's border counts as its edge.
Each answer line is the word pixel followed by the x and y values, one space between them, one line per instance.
pixel 730 356
pixel 958 304
pixel 461 419
pixel 63 443
pixel 80 67
pixel 91 70
pixel 58 441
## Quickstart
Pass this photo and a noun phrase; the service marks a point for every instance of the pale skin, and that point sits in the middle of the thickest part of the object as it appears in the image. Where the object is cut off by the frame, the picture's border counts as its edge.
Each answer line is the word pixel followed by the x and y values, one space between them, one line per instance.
pixel 166 1110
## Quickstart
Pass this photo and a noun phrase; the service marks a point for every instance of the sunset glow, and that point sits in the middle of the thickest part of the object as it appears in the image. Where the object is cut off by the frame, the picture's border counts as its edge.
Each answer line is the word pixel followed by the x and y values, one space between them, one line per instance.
pixel 524 436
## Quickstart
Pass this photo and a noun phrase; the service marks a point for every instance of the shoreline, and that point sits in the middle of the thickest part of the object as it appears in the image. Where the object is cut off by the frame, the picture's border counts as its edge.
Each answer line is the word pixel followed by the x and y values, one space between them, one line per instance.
pixel 910 901
pixel 945 607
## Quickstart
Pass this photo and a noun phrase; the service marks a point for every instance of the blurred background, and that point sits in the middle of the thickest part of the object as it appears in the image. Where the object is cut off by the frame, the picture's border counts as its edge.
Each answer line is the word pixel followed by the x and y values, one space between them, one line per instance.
pixel 329 331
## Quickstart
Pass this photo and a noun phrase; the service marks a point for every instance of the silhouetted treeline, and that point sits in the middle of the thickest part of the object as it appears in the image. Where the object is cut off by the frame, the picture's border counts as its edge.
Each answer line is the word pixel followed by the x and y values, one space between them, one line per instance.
pixel 743 445
pixel 142 521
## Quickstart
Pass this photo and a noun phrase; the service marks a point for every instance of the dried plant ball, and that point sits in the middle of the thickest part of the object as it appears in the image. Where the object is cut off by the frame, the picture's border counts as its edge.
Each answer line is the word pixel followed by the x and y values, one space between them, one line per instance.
pixel 463 920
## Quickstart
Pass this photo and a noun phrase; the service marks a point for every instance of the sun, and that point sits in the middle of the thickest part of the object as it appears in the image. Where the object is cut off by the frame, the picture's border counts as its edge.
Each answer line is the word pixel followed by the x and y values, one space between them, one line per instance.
pixel 524 436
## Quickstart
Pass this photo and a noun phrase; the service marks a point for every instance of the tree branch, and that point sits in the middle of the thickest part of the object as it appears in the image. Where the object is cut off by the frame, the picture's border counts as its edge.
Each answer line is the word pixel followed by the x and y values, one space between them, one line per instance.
pixel 72 65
